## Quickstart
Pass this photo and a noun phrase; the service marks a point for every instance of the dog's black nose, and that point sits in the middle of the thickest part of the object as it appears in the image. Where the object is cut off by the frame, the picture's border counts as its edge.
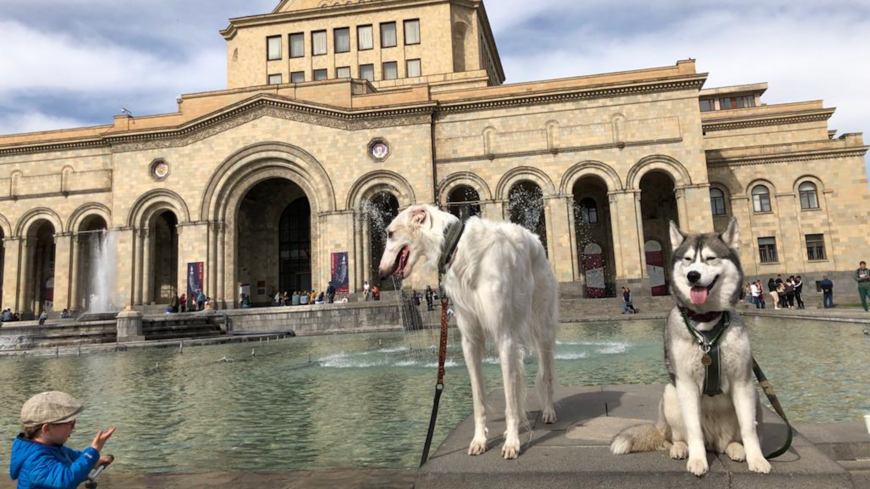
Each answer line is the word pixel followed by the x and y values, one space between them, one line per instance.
pixel 693 277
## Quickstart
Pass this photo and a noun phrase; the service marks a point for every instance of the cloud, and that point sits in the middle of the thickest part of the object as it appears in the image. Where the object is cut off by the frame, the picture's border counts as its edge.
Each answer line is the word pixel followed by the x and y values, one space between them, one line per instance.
pixel 14 122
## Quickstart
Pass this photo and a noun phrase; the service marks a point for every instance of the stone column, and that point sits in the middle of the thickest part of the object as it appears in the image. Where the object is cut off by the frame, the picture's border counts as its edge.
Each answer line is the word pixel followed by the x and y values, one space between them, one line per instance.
pixel 63 244
pixel 136 296
pixel 211 267
pixel 559 222
pixel 129 326
pixel 221 267
pixel 11 272
pixel 572 239
pixel 147 263
pixel 367 248
pixel 628 241
pixel 741 209
pixel 75 280
pixel 26 267
pixel 682 212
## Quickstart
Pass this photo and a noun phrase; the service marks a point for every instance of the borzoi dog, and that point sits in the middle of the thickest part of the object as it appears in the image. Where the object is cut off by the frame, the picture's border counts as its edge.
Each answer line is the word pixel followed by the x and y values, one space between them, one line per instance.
pixel 711 402
pixel 502 287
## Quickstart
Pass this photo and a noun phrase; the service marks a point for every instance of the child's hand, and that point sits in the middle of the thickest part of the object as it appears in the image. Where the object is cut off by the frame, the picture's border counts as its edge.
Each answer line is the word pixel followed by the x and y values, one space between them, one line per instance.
pixel 101 439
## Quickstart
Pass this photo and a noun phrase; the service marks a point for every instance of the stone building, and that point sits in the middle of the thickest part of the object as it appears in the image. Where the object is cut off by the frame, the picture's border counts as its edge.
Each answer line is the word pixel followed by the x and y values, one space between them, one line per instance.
pixel 337 114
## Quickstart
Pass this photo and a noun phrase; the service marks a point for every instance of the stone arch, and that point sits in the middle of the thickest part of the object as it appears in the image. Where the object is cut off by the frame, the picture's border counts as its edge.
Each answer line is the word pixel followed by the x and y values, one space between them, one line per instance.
pixel 26 221
pixel 760 181
pixel 463 178
pixel 726 193
pixel 666 164
pixel 820 186
pixel 286 160
pixel 590 168
pixel 378 181
pixel 5 228
pixel 84 211
pixel 152 203
pixel 524 173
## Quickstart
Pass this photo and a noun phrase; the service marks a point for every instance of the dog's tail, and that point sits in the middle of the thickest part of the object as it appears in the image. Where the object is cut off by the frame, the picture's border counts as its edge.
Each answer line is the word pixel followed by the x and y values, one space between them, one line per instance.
pixel 643 438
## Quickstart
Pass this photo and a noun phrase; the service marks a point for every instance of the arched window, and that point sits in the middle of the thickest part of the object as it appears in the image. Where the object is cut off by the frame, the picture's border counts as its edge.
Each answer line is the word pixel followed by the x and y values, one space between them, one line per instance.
pixel 761 199
pixel 809 196
pixel 717 202
pixel 589 211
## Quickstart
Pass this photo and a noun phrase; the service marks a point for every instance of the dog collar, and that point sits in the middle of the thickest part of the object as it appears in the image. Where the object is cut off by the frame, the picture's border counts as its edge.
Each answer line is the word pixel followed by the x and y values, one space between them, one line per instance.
pixel 448 248
pixel 708 342
pixel 700 318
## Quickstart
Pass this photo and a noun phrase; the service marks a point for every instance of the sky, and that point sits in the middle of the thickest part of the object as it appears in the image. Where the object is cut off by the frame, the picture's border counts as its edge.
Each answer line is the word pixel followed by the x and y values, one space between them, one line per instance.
pixel 72 63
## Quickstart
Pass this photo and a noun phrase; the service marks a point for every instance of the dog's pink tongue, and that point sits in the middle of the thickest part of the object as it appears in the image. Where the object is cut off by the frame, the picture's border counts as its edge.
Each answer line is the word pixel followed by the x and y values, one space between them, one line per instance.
pixel 699 295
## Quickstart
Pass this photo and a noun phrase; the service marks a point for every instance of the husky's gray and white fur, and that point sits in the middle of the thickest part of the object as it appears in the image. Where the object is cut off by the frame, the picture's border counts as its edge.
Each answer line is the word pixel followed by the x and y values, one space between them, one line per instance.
pixel 502 287
pixel 706 277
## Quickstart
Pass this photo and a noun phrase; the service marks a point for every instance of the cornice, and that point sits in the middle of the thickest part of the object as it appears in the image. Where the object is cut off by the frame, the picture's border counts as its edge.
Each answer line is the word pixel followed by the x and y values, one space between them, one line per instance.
pixel 751 160
pixel 760 120
pixel 544 152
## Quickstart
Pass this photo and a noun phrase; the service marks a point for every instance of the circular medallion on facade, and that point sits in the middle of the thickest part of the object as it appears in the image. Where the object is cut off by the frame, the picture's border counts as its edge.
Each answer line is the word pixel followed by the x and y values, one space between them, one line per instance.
pixel 159 169
pixel 379 150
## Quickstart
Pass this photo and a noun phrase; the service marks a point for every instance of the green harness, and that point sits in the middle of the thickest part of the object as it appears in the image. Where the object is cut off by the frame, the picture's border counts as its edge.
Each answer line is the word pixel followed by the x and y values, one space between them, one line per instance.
pixel 708 342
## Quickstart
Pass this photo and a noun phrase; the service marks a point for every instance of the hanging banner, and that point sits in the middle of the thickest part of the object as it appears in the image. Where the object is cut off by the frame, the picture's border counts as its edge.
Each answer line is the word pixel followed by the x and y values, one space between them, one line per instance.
pixel 339 273
pixel 195 274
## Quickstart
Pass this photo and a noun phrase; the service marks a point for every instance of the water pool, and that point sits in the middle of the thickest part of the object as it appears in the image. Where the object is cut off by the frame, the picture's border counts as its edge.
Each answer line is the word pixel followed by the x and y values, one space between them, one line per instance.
pixel 363 401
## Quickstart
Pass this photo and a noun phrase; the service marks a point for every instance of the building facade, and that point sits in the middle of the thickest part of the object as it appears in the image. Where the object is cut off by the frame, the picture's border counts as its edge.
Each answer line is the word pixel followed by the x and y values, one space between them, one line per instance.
pixel 338 115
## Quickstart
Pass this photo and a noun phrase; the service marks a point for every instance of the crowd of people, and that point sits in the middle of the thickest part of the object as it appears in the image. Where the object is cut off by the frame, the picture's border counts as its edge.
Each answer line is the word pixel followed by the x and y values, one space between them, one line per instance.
pixel 787 294
pixel 197 301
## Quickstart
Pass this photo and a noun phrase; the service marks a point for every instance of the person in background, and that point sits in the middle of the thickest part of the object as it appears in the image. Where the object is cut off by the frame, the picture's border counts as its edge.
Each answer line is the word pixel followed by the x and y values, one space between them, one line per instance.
pixel 429 298
pixel 760 294
pixel 827 292
pixel 789 292
pixel 182 302
pixel 279 299
pixel 65 314
pixel 367 289
pixel 7 316
pixel 376 293
pixel 330 293
pixel 862 276
pixel 753 295
pixel 627 306
pixel 303 298
pixel 798 290
pixel 294 299
pixel 173 303
pixel 319 301
pixel 42 317
pixel 200 300
pixel 774 294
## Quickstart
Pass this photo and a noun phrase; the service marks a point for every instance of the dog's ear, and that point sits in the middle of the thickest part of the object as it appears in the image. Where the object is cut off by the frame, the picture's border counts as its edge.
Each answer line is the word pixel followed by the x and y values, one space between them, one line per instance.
pixel 731 235
pixel 677 236
pixel 419 217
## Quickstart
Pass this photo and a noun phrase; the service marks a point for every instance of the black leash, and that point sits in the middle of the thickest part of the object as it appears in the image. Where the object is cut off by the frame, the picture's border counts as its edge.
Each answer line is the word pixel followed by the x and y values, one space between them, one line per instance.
pixel 439 386
pixel 774 401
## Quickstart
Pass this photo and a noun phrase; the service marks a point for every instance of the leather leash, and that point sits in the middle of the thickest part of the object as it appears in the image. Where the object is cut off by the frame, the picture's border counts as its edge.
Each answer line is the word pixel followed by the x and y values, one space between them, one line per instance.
pixel 439 386
pixel 767 386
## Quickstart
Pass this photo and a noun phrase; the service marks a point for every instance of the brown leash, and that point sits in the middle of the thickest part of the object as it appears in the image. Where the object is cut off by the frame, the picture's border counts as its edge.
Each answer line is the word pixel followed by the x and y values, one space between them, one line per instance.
pixel 774 401
pixel 439 386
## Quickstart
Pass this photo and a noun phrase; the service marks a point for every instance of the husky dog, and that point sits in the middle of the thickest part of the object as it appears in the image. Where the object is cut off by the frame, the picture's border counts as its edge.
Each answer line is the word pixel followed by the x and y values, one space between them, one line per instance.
pixel 502 287
pixel 694 416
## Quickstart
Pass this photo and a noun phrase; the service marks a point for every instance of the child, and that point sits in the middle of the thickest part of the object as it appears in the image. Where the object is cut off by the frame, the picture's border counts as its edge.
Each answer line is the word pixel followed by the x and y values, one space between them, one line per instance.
pixel 39 458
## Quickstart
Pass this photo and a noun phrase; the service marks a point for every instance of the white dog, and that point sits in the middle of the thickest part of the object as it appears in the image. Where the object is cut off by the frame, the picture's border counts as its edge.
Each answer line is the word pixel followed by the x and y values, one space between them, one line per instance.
pixel 502 287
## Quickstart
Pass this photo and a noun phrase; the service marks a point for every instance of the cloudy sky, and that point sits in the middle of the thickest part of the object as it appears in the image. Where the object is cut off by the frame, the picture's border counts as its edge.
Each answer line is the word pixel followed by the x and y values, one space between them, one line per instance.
pixel 67 63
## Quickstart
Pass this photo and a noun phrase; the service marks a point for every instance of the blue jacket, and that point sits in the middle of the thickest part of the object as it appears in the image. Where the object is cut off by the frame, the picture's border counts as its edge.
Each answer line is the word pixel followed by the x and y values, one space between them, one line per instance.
pixel 35 465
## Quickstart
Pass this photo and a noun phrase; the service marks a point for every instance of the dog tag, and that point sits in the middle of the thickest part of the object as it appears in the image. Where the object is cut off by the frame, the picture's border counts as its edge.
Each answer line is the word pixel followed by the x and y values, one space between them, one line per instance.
pixel 706 360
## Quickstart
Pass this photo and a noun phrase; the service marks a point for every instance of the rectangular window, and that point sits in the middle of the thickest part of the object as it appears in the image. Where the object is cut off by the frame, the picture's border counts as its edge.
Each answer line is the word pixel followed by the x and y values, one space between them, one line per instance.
pixel 725 103
pixel 391 70
pixel 708 105
pixel 342 40
pixel 367 72
pixel 412 32
pixel 318 43
pixel 274 79
pixel 816 247
pixel 320 75
pixel 388 35
pixel 297 45
pixel 742 102
pixel 413 68
pixel 273 46
pixel 343 72
pixel 718 205
pixel 767 250
pixel 365 37
pixel 297 77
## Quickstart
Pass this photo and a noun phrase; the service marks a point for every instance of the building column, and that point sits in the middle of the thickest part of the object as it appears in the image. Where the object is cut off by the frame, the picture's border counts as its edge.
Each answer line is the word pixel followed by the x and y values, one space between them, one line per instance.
pixel 211 268
pixel 221 267
pixel 136 296
pixel 560 220
pixel 741 209
pixel 693 206
pixel 147 263
pixel 367 248
pixel 63 245
pixel 11 273
pixel 572 238
pixel 628 241
pixel 74 279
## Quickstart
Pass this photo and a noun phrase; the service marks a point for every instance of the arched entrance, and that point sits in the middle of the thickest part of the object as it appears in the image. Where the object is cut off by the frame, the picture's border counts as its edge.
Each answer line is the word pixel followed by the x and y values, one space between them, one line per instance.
pixel 274 240
pixel 463 202
pixel 593 231
pixel 658 207
pixel 164 257
pixel 381 209
pixel 91 283
pixel 39 294
pixel 526 208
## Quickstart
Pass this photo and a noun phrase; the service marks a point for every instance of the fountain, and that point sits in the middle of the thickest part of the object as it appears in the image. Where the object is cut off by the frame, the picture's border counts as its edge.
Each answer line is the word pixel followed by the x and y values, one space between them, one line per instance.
pixel 102 271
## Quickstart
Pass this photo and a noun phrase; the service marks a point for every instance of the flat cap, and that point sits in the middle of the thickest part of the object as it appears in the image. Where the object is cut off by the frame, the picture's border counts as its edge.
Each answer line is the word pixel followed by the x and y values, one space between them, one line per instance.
pixel 50 408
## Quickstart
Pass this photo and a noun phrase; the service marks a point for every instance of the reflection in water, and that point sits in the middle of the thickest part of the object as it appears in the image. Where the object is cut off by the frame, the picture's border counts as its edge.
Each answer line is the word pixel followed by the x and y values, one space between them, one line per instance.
pixel 364 401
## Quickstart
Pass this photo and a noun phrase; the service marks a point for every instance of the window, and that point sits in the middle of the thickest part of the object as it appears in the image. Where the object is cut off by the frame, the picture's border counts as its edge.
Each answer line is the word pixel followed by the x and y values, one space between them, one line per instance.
pixel 342 40
pixel 708 105
pixel 717 202
pixel 761 199
pixel 412 32
pixel 342 72
pixel 589 211
pixel 367 72
pixel 297 77
pixel 742 102
pixel 297 45
pixel 391 70
pixel 816 247
pixel 767 250
pixel 365 38
pixel 274 79
pixel 273 46
pixel 320 75
pixel 318 43
pixel 413 68
pixel 809 196
pixel 388 35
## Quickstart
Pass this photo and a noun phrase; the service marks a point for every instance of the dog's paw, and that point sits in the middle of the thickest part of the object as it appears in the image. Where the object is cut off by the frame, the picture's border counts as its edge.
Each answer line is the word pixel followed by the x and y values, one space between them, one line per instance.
pixel 735 452
pixel 697 466
pixel 759 464
pixel 477 447
pixel 548 416
pixel 679 450
pixel 511 447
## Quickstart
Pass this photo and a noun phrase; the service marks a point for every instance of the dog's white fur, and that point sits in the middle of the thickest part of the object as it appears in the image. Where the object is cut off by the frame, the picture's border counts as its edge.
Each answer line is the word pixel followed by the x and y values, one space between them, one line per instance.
pixel 502 288
pixel 690 423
